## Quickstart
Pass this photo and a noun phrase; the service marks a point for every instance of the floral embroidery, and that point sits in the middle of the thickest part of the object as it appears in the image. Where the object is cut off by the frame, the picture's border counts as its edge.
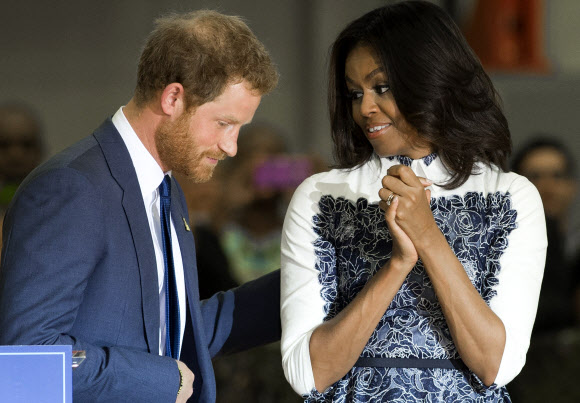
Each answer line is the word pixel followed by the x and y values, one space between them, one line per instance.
pixel 353 242
pixel 407 161
pixel 404 385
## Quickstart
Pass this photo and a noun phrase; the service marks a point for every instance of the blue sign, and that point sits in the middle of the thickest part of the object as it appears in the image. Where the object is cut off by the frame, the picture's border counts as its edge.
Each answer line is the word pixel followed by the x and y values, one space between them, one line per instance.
pixel 36 374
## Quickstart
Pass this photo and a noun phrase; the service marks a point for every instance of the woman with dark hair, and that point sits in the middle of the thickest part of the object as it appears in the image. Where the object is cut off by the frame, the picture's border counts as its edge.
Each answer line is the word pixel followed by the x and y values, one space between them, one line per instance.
pixel 411 272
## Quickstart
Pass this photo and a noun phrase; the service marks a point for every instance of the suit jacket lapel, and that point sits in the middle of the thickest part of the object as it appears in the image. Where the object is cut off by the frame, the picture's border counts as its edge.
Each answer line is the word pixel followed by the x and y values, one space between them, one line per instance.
pixel 123 171
pixel 201 364
pixel 186 244
pixel 185 238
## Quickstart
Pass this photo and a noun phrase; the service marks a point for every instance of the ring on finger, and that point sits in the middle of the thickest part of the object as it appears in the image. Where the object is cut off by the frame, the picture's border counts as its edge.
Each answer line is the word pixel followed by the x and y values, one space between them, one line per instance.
pixel 390 198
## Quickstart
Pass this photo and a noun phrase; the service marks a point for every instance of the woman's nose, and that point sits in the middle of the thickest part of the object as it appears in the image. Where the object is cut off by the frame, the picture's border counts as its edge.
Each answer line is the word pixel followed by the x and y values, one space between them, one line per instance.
pixel 368 105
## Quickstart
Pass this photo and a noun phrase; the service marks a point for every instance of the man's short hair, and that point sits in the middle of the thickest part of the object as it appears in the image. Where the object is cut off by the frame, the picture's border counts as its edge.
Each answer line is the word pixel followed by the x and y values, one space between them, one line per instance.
pixel 204 51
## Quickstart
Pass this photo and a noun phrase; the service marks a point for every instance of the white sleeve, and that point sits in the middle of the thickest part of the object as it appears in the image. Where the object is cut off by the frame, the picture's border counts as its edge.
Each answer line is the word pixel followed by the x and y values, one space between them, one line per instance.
pixel 520 277
pixel 301 304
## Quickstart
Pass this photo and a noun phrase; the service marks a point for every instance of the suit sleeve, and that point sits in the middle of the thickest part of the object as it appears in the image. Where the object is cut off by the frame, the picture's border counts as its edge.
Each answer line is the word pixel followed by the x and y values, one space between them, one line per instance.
pixel 244 317
pixel 54 240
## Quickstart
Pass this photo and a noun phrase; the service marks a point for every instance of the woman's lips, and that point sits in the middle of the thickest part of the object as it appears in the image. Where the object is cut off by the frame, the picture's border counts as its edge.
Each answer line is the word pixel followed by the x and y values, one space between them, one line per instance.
pixel 377 130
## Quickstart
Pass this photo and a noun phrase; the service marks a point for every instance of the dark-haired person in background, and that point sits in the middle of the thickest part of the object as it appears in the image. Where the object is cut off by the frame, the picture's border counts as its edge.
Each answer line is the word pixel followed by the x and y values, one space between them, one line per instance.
pixel 98 251
pixel 553 359
pixel 21 149
pixel 548 164
pixel 412 271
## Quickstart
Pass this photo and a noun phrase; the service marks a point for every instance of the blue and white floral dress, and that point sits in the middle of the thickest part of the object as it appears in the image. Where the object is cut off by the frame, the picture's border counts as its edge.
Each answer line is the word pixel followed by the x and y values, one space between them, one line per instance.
pixel 335 238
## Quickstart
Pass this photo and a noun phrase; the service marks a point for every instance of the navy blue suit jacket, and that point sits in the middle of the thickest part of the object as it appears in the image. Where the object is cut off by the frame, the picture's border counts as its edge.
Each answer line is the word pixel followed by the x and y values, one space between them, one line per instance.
pixel 78 267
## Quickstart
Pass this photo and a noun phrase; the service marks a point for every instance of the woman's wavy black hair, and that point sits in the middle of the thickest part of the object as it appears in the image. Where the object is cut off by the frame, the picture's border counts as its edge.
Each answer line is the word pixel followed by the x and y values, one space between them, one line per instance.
pixel 437 81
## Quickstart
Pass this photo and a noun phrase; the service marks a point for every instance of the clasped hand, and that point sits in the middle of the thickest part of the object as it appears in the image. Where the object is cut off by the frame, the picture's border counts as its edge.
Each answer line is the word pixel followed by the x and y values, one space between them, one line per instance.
pixel 405 200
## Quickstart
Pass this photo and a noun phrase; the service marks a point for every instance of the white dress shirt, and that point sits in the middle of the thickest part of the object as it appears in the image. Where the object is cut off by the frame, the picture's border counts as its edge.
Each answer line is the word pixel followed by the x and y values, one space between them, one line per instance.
pixel 150 176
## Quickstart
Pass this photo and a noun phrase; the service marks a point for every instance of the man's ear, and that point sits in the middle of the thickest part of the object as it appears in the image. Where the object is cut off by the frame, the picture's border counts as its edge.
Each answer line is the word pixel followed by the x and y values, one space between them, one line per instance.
pixel 172 99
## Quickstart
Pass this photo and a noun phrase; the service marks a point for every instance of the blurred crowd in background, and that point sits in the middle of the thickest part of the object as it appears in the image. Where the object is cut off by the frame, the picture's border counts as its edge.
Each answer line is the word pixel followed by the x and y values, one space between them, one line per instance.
pixel 237 220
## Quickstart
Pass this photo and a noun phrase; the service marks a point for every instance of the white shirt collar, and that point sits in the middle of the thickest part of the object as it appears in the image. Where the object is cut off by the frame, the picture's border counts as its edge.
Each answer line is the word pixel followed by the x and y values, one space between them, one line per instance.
pixel 149 173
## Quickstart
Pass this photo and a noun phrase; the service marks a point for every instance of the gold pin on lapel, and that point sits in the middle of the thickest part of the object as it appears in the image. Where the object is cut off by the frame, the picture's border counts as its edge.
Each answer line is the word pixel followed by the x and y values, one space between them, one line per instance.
pixel 186 226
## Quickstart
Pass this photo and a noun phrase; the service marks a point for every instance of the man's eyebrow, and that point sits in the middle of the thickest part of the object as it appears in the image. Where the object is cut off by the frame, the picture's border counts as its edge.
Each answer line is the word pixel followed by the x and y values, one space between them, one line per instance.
pixel 229 118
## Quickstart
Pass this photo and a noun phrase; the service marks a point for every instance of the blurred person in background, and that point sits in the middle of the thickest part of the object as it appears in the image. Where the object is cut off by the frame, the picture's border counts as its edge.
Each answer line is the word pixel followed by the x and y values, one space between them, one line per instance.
pixel 237 220
pixel 548 164
pixel 204 203
pixel 553 360
pixel 259 185
pixel 21 149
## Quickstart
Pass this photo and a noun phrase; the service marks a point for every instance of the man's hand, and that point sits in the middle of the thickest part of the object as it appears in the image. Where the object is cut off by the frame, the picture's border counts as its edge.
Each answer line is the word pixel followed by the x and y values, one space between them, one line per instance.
pixel 186 383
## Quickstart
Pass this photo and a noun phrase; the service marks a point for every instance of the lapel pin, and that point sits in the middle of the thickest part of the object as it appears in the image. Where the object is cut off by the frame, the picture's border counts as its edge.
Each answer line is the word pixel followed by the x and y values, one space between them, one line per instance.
pixel 186 226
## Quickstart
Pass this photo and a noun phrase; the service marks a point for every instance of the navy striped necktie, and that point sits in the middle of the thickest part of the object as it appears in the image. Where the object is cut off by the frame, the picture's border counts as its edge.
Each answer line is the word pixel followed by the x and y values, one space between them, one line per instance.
pixel 173 327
